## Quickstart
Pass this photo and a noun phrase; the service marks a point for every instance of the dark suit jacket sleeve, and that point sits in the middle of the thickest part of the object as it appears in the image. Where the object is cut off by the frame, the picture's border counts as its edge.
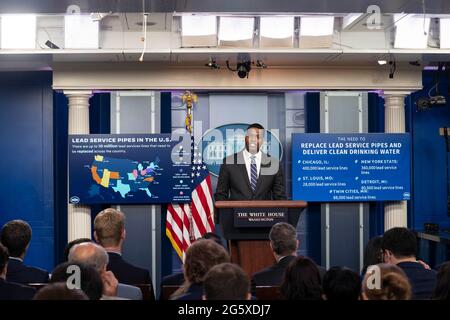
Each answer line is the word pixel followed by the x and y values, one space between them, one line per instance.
pixel 253 286
pixel 278 187
pixel 223 184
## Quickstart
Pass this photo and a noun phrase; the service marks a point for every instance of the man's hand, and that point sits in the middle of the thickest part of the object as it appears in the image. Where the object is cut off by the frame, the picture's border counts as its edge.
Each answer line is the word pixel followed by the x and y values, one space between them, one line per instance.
pixel 110 284
pixel 426 266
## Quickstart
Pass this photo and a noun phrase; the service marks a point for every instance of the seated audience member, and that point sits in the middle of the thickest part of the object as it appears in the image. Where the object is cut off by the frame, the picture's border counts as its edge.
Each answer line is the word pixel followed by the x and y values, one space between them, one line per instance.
pixel 91 282
pixel 400 248
pixel 109 232
pixel 59 291
pixel 340 283
pixel 16 237
pixel 73 243
pixel 226 281
pixel 301 280
pixel 373 253
pixel 393 283
pixel 9 290
pixel 201 256
pixel 284 244
pixel 213 236
pixel 177 279
pixel 94 255
pixel 442 290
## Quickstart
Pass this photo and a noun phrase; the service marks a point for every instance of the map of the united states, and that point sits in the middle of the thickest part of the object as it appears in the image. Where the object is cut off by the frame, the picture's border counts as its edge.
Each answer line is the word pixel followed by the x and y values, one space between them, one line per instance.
pixel 122 175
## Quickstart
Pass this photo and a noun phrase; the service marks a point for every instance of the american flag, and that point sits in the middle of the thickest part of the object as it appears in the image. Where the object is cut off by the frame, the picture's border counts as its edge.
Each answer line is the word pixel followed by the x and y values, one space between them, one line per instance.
pixel 189 221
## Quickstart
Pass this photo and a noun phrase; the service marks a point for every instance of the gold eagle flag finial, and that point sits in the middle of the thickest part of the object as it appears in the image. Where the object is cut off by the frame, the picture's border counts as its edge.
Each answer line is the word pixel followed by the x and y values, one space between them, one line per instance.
pixel 189 99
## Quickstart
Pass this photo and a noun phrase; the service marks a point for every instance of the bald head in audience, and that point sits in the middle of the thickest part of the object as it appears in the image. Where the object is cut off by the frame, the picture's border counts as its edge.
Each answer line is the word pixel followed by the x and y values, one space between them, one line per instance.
pixel 91 254
pixel 94 255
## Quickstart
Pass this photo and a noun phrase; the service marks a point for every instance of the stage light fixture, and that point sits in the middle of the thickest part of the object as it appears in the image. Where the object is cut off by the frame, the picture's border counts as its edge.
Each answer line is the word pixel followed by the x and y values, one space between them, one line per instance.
pixel 212 64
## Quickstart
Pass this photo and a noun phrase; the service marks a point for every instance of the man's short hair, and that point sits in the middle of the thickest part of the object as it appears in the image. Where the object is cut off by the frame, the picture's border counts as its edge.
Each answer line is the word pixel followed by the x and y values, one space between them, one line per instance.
pixel 283 238
pixel 59 291
pixel 340 283
pixel 89 253
pixel 256 126
pixel 401 242
pixel 16 236
pixel 4 256
pixel 226 281
pixel 109 225
pixel 91 282
pixel 201 256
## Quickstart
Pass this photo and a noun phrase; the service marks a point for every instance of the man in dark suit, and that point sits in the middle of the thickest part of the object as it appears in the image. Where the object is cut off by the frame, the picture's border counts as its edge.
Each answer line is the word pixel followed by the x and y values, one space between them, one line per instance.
pixel 400 247
pixel 109 232
pixel 9 290
pixel 251 174
pixel 16 237
pixel 284 244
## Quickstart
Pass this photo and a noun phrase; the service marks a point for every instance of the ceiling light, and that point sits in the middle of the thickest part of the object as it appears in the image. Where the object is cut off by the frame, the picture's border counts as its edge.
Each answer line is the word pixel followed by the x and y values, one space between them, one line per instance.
pixel 198 25
pixel 277 27
pixel 411 31
pixel 18 31
pixel 236 29
pixel 80 32
pixel 382 62
pixel 444 33
pixel 316 26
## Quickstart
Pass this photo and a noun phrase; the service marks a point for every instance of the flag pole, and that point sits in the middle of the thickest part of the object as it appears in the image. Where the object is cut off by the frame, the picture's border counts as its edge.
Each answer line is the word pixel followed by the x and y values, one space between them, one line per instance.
pixel 189 98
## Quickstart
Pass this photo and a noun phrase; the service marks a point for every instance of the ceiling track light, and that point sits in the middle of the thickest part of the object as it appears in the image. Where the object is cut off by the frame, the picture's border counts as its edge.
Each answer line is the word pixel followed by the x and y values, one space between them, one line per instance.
pixel 244 67
pixel 212 64
pixel 392 67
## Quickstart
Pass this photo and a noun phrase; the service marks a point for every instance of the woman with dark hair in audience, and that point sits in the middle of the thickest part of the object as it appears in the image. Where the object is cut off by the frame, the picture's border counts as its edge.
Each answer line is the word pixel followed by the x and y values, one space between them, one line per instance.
pixel 373 253
pixel 442 291
pixel 201 256
pixel 301 280
pixel 386 282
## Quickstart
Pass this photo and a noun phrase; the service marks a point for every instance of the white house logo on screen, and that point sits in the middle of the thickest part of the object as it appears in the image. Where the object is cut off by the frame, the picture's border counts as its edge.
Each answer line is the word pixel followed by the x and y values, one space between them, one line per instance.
pixel 74 200
pixel 218 143
pixel 406 195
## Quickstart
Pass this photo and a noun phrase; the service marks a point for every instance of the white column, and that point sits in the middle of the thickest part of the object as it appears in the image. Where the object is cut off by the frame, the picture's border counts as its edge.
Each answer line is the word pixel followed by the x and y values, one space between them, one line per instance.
pixel 395 212
pixel 78 216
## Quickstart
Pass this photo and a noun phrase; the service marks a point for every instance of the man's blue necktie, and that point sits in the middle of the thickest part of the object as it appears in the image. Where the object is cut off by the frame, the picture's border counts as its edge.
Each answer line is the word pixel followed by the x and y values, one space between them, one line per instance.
pixel 253 173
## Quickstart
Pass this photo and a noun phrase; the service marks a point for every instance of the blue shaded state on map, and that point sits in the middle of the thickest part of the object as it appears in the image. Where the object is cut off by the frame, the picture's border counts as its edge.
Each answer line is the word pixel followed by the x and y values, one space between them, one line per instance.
pixel 123 176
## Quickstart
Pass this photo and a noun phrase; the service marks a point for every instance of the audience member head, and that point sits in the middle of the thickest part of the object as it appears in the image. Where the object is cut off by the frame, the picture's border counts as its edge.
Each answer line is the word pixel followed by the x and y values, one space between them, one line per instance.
pixel 59 291
pixel 442 291
pixel 373 252
pixel 399 244
pixel 4 256
pixel 201 256
pixel 91 254
pixel 90 280
pixel 301 280
pixel 226 281
pixel 212 236
pixel 73 243
pixel 340 283
pixel 16 236
pixel 386 282
pixel 283 239
pixel 109 228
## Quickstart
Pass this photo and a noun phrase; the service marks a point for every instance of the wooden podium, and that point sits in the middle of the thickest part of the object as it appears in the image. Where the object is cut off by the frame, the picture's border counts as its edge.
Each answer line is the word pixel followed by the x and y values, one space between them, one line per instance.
pixel 248 237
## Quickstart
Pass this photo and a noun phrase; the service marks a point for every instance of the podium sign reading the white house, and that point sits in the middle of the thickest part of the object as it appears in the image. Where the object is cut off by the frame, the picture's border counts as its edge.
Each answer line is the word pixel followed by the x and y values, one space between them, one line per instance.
pixel 259 217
